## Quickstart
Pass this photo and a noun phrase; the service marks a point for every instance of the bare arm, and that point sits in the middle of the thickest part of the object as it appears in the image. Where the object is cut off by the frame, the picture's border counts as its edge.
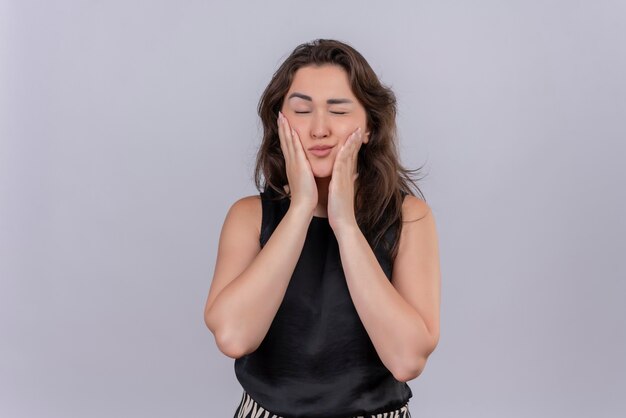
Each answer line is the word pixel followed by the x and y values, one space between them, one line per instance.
pixel 406 332
pixel 249 283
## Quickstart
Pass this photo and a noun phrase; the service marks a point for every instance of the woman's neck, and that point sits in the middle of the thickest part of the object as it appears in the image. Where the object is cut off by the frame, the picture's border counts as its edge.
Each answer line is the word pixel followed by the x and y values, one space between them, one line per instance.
pixel 322 193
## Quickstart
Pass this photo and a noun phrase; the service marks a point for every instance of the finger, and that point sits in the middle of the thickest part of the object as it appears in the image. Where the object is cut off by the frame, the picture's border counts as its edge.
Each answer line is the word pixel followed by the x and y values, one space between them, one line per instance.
pixel 352 151
pixel 346 145
pixel 289 135
pixel 282 133
pixel 294 139
pixel 358 140
pixel 299 149
pixel 343 159
pixel 349 147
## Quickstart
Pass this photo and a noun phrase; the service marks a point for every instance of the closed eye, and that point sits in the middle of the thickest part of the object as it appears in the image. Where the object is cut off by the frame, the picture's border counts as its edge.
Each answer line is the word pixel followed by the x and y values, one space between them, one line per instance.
pixel 335 113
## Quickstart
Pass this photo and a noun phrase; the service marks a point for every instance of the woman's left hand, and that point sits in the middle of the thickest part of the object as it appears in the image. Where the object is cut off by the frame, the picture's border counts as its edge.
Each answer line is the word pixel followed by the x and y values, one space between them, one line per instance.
pixel 341 188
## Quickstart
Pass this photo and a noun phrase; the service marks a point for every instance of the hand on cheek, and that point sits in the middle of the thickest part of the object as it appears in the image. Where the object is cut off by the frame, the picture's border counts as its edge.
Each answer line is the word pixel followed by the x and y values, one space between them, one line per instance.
pixel 300 177
pixel 341 188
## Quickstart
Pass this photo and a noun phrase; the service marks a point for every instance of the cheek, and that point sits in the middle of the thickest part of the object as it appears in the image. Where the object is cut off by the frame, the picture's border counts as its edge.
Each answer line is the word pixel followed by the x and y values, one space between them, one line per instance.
pixel 299 125
pixel 343 140
pixel 344 134
pixel 346 128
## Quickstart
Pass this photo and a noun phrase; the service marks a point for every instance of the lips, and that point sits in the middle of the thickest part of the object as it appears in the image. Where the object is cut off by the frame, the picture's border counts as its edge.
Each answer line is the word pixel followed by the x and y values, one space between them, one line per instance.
pixel 320 151
pixel 321 147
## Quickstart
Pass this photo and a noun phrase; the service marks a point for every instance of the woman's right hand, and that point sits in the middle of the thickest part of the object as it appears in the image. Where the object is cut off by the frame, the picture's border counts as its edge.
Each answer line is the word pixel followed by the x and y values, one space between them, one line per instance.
pixel 302 185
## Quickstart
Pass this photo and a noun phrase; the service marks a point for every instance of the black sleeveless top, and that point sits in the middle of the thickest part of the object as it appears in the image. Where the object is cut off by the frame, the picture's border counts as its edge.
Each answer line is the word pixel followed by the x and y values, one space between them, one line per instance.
pixel 317 359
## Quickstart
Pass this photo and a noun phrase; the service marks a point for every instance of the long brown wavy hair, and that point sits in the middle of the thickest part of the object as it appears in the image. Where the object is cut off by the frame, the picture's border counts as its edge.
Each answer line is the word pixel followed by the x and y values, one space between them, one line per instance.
pixel 382 180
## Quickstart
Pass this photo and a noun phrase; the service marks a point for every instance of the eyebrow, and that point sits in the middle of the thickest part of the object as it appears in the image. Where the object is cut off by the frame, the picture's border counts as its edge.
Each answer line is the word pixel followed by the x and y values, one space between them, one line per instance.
pixel 329 101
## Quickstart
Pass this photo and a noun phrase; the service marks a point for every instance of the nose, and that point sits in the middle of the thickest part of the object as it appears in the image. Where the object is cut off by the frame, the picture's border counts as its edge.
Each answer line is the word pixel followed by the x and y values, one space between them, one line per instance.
pixel 319 126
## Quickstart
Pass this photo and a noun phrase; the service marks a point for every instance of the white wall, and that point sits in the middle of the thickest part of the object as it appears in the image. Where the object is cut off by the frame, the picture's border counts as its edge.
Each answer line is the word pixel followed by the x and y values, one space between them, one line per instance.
pixel 128 128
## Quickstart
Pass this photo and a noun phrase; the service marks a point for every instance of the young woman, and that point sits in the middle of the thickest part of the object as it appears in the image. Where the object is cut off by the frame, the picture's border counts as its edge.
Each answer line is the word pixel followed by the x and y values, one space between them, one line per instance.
pixel 326 287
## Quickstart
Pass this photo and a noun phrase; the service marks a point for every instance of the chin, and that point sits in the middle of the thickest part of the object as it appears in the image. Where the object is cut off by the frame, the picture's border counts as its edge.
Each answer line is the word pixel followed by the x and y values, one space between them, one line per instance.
pixel 321 173
pixel 322 168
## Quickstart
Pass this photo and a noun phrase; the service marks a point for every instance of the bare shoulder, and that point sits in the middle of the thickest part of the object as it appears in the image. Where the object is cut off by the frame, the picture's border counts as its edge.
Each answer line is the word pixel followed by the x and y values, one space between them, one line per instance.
pixel 414 208
pixel 248 211
pixel 418 227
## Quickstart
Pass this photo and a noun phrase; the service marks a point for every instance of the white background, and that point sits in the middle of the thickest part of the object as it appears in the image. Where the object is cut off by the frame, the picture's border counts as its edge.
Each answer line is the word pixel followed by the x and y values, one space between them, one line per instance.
pixel 128 128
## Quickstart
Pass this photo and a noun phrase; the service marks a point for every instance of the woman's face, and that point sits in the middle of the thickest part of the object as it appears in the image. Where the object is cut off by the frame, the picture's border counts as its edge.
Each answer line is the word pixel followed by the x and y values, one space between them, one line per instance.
pixel 322 109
